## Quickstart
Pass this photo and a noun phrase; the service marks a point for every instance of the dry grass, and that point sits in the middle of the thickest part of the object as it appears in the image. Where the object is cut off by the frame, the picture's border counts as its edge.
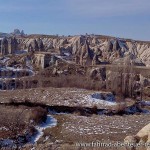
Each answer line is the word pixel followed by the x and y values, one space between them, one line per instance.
pixel 72 97
pixel 72 129
pixel 38 114
pixel 16 120
pixel 146 93
pixel 76 81
pixel 13 119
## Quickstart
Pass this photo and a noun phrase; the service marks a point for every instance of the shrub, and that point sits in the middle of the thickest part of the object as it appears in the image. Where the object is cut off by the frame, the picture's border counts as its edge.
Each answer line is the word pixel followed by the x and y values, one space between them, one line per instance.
pixel 38 115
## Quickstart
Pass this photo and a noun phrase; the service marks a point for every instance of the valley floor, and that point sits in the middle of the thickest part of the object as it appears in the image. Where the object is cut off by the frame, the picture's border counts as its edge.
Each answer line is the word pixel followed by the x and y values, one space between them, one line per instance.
pixel 73 129
pixel 75 132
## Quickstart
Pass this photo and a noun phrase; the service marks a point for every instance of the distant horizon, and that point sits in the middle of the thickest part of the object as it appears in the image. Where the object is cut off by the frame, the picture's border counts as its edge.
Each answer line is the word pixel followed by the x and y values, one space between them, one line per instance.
pixel 46 34
pixel 119 18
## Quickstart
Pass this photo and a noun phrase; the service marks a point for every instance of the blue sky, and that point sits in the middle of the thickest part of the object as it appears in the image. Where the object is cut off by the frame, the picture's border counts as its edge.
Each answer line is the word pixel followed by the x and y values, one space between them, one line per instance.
pixel 120 18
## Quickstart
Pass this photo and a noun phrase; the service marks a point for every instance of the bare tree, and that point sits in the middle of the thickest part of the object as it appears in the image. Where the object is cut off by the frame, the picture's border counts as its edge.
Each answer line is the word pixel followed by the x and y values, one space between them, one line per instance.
pixel 121 79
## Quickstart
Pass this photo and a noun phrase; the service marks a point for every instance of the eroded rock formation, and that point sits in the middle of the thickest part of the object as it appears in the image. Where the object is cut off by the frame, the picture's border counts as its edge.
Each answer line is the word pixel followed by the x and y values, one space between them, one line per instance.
pixel 142 138
pixel 93 50
pixel 86 50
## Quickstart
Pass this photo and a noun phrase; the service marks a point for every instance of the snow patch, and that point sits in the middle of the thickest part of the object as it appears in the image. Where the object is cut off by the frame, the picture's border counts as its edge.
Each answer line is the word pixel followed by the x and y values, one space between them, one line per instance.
pixel 6 143
pixel 50 122
pixel 18 52
pixel 99 98
pixel 3 59
pixel 146 103
pixel 4 128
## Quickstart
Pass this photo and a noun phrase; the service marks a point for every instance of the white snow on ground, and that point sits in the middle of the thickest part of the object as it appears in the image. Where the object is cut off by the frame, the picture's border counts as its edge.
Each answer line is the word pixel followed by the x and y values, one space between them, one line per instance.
pixel 4 67
pixel 146 103
pixel 81 98
pixel 67 54
pixel 50 122
pixel 31 73
pixel 3 59
pixel 100 101
pixel 7 143
pixel 13 69
pixel 102 125
pixel 18 52
pixel 29 64
pixel 4 128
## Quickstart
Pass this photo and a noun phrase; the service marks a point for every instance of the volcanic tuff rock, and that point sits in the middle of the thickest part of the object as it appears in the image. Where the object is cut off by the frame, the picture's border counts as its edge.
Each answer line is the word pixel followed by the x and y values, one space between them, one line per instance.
pixel 89 49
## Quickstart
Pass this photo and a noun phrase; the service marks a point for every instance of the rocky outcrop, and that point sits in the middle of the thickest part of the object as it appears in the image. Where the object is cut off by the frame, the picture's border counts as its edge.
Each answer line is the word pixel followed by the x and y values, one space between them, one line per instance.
pixel 98 74
pixel 12 45
pixel 4 46
pixel 8 46
pixel 116 46
pixel 33 46
pixel 128 60
pixel 84 55
pixel 40 45
pixel 142 138
pixel 89 49
pixel 109 46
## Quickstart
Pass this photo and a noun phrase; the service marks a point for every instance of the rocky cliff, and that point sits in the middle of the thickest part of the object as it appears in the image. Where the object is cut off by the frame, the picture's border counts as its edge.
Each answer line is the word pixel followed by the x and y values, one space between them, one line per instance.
pixel 88 50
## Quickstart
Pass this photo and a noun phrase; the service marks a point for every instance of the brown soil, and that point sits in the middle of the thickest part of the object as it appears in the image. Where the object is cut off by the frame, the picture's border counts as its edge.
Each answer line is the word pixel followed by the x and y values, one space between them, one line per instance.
pixel 71 97
pixel 17 120
pixel 73 129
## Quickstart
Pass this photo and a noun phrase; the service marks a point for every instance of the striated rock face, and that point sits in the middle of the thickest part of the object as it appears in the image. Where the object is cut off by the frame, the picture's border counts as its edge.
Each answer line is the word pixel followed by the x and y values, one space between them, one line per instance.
pixel 89 49
pixel 40 45
pixel 8 46
pixel 109 46
pixel 4 46
pixel 116 46
pixel 12 45
pixel 98 74
pixel 33 45
pixel 85 55
pixel 128 60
